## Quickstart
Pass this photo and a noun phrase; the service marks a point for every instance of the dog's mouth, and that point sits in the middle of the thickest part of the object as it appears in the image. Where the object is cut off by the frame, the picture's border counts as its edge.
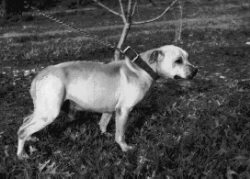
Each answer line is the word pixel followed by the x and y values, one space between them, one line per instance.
pixel 177 77
pixel 188 77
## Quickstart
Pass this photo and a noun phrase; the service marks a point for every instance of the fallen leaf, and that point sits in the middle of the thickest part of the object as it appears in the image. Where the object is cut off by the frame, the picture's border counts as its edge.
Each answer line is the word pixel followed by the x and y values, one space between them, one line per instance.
pixel 6 152
pixel 42 166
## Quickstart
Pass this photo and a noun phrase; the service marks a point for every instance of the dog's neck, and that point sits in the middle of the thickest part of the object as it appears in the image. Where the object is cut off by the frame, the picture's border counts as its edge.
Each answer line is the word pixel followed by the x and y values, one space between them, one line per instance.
pixel 143 62
pixel 146 67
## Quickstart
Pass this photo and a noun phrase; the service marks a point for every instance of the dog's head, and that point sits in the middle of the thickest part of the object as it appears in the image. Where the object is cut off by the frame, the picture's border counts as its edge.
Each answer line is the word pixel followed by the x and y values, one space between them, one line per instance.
pixel 172 62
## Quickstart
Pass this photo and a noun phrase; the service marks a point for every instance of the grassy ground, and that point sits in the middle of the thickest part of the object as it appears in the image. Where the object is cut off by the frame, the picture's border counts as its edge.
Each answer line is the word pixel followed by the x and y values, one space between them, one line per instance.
pixel 183 129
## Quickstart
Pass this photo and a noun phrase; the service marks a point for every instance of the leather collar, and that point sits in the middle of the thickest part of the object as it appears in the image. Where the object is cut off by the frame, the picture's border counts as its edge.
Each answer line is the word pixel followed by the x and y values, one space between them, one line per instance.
pixel 142 64
pixel 135 58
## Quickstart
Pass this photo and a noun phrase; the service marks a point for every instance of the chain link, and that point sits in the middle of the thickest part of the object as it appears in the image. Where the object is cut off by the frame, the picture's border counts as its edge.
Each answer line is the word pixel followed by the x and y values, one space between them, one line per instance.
pixel 91 36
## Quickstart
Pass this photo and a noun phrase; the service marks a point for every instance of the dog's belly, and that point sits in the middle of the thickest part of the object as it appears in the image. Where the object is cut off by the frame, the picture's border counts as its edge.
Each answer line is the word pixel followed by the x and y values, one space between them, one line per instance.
pixel 94 95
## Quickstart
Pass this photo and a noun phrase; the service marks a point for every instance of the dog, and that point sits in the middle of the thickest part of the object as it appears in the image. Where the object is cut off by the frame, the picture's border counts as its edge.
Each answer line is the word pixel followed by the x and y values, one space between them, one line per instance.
pixel 105 88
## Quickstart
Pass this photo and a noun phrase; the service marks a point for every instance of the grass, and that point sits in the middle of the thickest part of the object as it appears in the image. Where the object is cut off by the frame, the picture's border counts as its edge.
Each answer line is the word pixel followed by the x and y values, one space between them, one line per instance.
pixel 182 129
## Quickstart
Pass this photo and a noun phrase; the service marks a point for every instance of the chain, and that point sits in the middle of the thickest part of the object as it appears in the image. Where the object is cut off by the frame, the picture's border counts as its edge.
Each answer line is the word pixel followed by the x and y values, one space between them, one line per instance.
pixel 94 38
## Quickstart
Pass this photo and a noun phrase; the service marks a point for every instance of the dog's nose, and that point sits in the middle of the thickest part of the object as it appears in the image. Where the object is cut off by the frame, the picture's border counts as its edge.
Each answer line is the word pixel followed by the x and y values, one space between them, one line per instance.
pixel 177 77
pixel 193 73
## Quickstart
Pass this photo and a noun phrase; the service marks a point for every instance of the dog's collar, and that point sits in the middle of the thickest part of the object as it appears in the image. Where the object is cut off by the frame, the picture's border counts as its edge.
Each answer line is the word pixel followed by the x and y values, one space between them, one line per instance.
pixel 136 58
pixel 142 64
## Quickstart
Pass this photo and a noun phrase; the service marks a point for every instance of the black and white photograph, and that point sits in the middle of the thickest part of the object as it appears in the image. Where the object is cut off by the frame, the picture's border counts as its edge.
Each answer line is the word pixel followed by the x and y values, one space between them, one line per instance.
pixel 125 89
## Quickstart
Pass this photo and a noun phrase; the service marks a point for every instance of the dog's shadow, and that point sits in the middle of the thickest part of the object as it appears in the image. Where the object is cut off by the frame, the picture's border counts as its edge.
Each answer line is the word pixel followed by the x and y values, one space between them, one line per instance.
pixel 163 95
pixel 63 122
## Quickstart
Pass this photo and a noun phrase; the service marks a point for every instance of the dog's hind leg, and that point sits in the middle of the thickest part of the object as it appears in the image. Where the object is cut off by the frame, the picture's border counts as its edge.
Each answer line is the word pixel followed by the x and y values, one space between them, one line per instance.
pixel 104 121
pixel 69 109
pixel 21 142
pixel 34 125
pixel 27 119
pixel 47 107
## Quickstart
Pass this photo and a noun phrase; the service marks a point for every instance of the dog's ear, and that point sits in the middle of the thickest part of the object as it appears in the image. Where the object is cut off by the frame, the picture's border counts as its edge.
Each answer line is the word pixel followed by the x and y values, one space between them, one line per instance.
pixel 155 55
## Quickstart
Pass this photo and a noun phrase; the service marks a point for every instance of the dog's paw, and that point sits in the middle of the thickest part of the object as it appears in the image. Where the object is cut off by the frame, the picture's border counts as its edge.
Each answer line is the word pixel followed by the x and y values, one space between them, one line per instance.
pixel 126 148
pixel 23 156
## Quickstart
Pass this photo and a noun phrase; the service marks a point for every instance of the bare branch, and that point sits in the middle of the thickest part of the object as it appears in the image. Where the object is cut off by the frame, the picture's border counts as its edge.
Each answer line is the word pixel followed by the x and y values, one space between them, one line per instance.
pixel 134 6
pixel 123 14
pixel 181 19
pixel 157 17
pixel 107 8
pixel 129 10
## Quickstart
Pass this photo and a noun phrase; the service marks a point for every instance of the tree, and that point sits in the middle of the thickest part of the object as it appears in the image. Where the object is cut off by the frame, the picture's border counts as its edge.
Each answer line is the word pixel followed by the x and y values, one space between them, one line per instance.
pixel 179 29
pixel 126 15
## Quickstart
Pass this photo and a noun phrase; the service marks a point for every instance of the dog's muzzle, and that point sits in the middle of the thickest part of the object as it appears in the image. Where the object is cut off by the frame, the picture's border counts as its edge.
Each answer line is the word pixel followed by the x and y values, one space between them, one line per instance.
pixel 193 72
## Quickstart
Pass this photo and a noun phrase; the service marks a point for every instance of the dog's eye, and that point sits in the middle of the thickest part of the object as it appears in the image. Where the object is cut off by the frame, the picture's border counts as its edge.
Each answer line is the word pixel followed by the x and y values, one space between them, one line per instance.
pixel 179 61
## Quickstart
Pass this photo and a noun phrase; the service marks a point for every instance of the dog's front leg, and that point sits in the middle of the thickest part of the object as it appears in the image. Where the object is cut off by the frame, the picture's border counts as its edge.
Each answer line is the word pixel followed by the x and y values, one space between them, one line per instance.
pixel 121 120
pixel 104 121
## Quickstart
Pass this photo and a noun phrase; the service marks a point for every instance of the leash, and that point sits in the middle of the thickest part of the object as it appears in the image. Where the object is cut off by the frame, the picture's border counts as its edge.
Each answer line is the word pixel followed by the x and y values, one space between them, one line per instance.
pixel 74 28
pixel 128 51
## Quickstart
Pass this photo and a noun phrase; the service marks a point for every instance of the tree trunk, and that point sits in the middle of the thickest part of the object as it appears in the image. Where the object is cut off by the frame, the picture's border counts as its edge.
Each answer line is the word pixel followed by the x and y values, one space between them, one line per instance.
pixel 123 38
pixel 178 31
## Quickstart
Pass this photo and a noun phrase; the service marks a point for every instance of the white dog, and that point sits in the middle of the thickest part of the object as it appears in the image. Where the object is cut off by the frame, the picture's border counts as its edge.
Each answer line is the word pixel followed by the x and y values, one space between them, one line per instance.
pixel 106 88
